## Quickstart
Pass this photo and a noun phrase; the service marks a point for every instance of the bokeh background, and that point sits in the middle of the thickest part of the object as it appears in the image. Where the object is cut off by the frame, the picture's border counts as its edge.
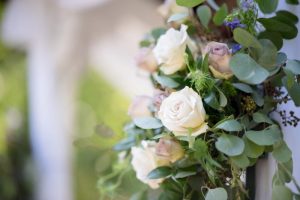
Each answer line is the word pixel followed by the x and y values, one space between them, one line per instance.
pixel 108 32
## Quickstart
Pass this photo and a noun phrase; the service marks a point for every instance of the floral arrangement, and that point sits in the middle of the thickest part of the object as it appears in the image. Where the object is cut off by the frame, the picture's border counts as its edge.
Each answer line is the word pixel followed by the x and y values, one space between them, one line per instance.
pixel 218 74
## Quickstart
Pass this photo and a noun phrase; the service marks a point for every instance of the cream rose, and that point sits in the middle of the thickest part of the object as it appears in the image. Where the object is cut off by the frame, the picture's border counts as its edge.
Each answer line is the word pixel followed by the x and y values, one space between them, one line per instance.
pixel 139 107
pixel 183 112
pixel 144 160
pixel 169 149
pixel 145 59
pixel 170 49
pixel 170 7
pixel 218 58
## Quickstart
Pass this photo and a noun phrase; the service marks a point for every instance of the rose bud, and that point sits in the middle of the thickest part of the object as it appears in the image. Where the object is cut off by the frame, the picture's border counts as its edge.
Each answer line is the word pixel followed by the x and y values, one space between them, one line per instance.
pixel 158 97
pixel 146 60
pixel 140 107
pixel 219 56
pixel 169 149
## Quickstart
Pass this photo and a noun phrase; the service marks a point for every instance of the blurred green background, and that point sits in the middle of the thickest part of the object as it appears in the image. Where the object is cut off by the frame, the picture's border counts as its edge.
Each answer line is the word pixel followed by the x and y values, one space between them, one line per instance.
pixel 101 114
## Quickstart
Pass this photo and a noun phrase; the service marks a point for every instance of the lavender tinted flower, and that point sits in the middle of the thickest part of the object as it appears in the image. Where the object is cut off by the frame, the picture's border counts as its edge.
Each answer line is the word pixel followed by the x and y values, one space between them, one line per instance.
pixel 234 24
pixel 235 48
pixel 247 5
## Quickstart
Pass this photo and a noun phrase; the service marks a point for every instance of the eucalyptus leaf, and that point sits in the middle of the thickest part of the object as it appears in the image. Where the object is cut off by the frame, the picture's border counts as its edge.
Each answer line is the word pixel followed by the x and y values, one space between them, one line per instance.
pixel 230 125
pixel 247 70
pixel 293 66
pixel 241 161
pixel 275 37
pixel 177 17
pixel 259 100
pixel 281 192
pixel 282 153
pixel 204 14
pixel 293 91
pixel 230 145
pixel 189 3
pixel 212 100
pixel 243 87
pixel 246 39
pixel 220 15
pixel 267 55
pixel 160 172
pixel 268 136
pixel 166 81
pixel 252 150
pixel 259 117
pixel 216 194
pixel 147 122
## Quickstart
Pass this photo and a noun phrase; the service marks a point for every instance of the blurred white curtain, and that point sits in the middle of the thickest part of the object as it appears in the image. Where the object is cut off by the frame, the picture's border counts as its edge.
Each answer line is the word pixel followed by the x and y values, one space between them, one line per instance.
pixel 266 167
pixel 51 32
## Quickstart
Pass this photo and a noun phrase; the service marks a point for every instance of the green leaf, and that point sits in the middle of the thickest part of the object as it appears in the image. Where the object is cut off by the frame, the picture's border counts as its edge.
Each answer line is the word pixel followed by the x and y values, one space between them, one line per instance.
pixel 285 171
pixel 259 117
pixel 294 2
pixel 125 144
pixel 230 145
pixel 259 100
pixel 177 17
pixel 266 137
pixel 243 87
pixel 281 192
pixel 165 81
pixel 252 150
pixel 267 6
pixel 204 14
pixel 147 122
pixel 160 172
pixel 216 194
pixel 281 152
pixel 287 16
pixel 183 174
pixel 274 24
pixel 294 91
pixel 189 3
pixel 156 33
pixel 293 66
pixel 246 39
pixel 267 55
pixel 247 70
pixel 275 37
pixel 241 161
pixel 220 15
pixel 230 125
pixel 212 101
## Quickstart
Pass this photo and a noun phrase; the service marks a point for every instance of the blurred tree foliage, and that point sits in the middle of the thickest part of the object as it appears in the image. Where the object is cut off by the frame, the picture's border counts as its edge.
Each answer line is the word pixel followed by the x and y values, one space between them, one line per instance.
pixel 15 160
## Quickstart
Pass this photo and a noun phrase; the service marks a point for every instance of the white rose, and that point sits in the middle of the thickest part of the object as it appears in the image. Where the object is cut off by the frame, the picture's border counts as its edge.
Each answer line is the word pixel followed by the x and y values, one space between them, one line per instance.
pixel 170 7
pixel 144 160
pixel 139 107
pixel 170 49
pixel 219 58
pixel 183 112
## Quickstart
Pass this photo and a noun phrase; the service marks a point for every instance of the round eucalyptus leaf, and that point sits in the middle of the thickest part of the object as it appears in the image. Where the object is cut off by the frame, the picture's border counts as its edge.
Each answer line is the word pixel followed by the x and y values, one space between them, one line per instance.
pixel 230 145
pixel 281 192
pixel 241 161
pixel 230 125
pixel 264 137
pixel 216 194
pixel 252 150
pixel 246 39
pixel 147 122
pixel 247 70
pixel 282 153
